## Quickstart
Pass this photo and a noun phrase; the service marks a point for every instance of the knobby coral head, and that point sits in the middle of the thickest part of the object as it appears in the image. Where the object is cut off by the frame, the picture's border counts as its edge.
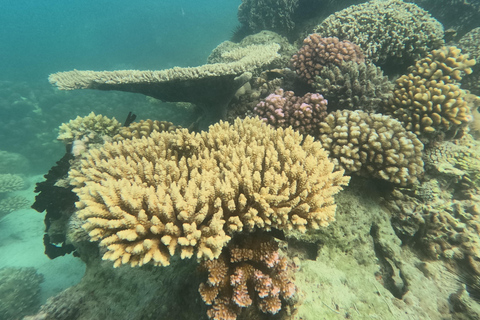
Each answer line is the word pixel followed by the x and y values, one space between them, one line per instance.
pixel 146 199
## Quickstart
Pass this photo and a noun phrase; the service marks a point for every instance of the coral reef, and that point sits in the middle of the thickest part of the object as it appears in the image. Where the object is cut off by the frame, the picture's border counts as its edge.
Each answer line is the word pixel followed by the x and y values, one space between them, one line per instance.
pixel 143 128
pixel 353 86
pixel 144 199
pixel 372 145
pixel 274 15
pixel 19 292
pixel 221 54
pixel 249 272
pixel 469 45
pixel 9 203
pixel 283 109
pixel 317 52
pixel 84 131
pixel 428 100
pixel 390 31
pixel 210 86
pixel 10 182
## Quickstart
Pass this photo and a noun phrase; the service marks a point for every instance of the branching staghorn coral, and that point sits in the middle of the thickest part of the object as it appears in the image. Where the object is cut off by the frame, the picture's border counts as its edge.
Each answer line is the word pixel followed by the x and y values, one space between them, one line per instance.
pixel 283 109
pixel 143 128
pixel 372 145
pixel 249 272
pixel 145 199
pixel 10 182
pixel 318 52
pixel 8 203
pixel 428 100
pixel 390 30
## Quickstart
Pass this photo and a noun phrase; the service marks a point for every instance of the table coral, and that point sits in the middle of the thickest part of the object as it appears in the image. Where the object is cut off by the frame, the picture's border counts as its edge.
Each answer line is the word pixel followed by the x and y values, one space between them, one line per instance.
pixel 354 86
pixel 392 30
pixel 428 100
pixel 283 109
pixel 318 52
pixel 251 272
pixel 144 199
pixel 372 145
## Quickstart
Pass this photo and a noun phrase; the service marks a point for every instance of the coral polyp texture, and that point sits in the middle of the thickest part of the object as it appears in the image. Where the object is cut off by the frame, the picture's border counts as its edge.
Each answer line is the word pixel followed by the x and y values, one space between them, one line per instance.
pixel 318 52
pixel 283 109
pixel 354 86
pixel 390 30
pixel 249 272
pixel 429 100
pixel 143 128
pixel 372 145
pixel 268 14
pixel 145 199
pixel 89 129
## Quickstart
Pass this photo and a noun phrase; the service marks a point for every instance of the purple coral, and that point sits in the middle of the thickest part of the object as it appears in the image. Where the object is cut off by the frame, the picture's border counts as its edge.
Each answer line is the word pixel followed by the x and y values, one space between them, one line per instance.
pixel 283 109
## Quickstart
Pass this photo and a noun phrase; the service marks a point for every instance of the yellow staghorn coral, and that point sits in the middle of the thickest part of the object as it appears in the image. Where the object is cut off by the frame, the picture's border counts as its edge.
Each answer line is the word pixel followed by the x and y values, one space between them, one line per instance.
pixel 429 100
pixel 91 128
pixel 143 128
pixel 144 199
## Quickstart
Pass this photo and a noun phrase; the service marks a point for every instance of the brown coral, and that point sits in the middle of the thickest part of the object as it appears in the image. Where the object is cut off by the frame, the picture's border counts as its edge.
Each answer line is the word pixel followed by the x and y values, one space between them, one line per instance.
pixel 390 30
pixel 317 52
pixel 144 199
pixel 372 145
pixel 251 272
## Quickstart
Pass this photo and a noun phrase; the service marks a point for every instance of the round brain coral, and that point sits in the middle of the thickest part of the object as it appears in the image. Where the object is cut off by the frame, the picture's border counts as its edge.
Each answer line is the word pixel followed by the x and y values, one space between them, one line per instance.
pixel 385 30
pixel 372 145
pixel 318 52
pixel 145 199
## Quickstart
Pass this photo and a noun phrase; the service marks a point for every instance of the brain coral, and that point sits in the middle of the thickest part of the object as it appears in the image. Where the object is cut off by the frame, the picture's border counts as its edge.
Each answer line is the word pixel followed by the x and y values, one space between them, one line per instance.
pixel 385 30
pixel 318 52
pixel 144 199
pixel 283 109
pixel 352 85
pixel 372 145
pixel 428 99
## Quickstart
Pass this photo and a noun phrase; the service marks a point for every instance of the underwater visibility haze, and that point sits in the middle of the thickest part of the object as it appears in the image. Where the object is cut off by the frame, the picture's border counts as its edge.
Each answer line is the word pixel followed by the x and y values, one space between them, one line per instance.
pixel 250 159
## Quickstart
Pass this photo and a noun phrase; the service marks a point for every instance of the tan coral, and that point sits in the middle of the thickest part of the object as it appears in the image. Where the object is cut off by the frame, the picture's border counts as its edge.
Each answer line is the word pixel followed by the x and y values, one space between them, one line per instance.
pixel 143 128
pixel 428 100
pixel 372 145
pixel 391 30
pixel 144 199
pixel 90 129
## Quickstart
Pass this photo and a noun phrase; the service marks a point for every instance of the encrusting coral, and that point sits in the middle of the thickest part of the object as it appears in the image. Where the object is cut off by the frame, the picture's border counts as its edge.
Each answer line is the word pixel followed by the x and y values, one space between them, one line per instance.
pixel 144 199
pixel 372 145
pixel 428 100
pixel 390 30
pixel 354 86
pixel 283 109
pixel 249 272
pixel 318 52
